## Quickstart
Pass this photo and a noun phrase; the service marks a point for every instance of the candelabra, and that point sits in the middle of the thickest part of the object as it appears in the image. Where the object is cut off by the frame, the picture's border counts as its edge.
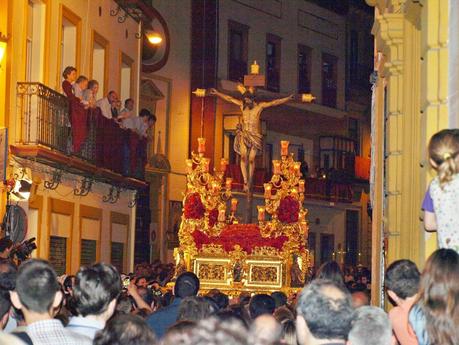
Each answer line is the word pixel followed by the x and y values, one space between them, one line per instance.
pixel 284 196
pixel 213 191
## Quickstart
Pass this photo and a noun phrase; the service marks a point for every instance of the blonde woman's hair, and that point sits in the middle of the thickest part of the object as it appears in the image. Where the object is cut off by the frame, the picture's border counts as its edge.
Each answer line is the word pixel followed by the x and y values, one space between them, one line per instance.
pixel 443 150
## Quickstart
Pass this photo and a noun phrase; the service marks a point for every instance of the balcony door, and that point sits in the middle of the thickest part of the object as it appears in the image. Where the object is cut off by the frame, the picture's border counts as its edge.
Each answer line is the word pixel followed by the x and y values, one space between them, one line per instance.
pixel 35 41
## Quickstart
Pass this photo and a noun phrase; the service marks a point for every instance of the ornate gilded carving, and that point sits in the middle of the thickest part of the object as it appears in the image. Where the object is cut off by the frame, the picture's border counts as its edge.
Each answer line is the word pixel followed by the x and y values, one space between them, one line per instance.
pixel 264 274
pixel 211 272
pixel 212 249
pixel 265 251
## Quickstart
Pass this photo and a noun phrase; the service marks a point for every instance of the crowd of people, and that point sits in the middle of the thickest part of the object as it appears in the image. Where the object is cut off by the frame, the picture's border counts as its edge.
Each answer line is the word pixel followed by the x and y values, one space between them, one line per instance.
pixel 99 306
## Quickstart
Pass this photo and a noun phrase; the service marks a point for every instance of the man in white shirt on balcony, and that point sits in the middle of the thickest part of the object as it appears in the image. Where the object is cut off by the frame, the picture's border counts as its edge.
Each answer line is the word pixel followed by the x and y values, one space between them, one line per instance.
pixel 107 105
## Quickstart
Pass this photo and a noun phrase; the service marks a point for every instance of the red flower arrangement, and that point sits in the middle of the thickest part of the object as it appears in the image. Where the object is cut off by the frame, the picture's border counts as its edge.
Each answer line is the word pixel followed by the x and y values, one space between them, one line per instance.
pixel 246 235
pixel 288 210
pixel 213 217
pixel 194 209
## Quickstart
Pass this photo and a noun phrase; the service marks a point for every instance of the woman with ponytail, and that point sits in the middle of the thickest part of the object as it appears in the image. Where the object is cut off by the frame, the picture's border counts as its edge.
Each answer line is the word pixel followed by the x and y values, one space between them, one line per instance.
pixel 441 202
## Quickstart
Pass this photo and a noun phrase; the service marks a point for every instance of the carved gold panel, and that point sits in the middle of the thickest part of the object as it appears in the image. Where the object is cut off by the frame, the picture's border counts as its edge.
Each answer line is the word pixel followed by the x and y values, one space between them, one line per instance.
pixel 212 271
pixel 265 273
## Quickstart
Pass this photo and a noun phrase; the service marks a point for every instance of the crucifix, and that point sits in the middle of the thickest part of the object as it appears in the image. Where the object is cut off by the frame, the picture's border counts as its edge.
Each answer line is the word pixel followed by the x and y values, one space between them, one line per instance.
pixel 249 139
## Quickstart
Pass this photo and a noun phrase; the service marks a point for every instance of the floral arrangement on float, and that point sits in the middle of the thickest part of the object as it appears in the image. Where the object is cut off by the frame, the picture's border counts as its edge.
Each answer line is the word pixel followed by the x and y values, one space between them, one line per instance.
pixel 210 226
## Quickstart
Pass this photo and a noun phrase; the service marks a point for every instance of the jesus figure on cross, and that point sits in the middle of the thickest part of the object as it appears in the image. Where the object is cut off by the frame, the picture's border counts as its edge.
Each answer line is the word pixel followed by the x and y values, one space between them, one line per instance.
pixel 249 140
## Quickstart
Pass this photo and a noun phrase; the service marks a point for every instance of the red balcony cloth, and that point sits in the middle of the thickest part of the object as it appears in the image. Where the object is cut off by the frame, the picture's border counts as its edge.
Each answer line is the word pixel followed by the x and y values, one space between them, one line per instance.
pixel 246 235
pixel 78 117
pixel 259 178
pixel 362 167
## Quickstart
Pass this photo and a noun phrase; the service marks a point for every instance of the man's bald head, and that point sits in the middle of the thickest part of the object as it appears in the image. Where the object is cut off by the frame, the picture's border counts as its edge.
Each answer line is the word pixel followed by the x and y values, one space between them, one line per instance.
pixel 325 309
pixel 360 299
pixel 265 330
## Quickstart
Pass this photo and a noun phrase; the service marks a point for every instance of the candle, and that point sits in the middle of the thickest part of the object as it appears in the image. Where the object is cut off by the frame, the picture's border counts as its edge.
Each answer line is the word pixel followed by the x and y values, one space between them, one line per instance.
pixel 296 168
pixel 294 192
pixel 254 68
pixel 215 186
pixel 276 165
pixel 206 164
pixel 201 145
pixel 200 92
pixel 268 188
pixel 221 215
pixel 228 183
pixel 189 166
pixel 284 147
pixel 261 213
pixel 301 186
pixel 223 164
pixel 301 216
pixel 307 97
pixel 304 227
pixel 234 203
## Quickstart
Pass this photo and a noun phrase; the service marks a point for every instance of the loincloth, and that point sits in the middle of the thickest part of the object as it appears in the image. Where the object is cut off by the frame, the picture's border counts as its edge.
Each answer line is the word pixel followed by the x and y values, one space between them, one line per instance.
pixel 249 139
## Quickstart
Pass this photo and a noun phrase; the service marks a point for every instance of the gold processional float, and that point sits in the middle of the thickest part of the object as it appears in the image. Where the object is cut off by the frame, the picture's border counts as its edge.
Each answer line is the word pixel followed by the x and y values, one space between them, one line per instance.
pixel 233 257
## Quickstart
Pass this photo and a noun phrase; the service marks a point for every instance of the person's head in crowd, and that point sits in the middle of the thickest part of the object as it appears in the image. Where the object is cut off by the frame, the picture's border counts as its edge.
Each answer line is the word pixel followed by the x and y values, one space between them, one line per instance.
pixel 8 274
pixel 324 313
pixel 68 284
pixel 371 326
pixel 221 299
pixel 241 312
pixel 283 313
pixel 129 104
pixel 125 330
pixel 5 306
pixel 288 334
pixel 261 304
pixel 6 245
pixel 212 304
pixel 146 295
pixel 402 280
pixel 178 333
pixel 186 285
pixel 439 296
pixel 229 314
pixel 444 154
pixel 112 97
pixel 141 282
pixel 155 285
pixel 280 298
pixel 124 305
pixel 37 293
pixel 70 74
pixel 82 82
pixel 265 330
pixel 194 308
pixel 330 270
pixel 360 299
pixel 96 290
pixel 244 297
pixel 215 332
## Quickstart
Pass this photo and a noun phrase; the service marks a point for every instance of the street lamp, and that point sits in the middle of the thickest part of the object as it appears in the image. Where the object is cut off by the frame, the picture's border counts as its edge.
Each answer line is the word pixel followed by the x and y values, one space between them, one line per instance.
pixel 153 37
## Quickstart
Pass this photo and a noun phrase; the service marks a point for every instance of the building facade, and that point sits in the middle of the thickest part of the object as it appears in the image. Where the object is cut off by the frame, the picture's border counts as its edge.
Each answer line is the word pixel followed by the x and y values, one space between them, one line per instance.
pixel 79 209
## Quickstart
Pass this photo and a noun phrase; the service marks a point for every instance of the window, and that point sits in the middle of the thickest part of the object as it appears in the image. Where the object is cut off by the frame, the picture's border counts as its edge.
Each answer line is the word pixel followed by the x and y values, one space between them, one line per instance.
pixel 304 69
pixel 352 237
pixel 329 80
pixel 238 51
pixel 69 41
pixel 58 254
pixel 36 12
pixel 126 77
pixel 117 256
pixel 273 58
pixel 354 133
pixel 88 252
pixel 354 56
pixel 100 60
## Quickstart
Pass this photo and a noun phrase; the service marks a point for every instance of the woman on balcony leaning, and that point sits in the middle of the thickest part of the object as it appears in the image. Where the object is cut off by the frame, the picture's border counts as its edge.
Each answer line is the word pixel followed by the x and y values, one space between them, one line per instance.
pixel 78 113
pixel 90 94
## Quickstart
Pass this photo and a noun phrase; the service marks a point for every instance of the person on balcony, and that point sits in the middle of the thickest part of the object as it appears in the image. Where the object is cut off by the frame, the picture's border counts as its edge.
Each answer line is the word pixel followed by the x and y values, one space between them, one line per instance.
pixel 108 105
pixel 90 94
pixel 79 86
pixel 78 113
pixel 128 110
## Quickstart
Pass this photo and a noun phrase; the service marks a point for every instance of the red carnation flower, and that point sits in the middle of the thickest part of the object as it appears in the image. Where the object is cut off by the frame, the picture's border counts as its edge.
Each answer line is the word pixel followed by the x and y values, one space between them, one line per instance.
pixel 194 209
pixel 288 210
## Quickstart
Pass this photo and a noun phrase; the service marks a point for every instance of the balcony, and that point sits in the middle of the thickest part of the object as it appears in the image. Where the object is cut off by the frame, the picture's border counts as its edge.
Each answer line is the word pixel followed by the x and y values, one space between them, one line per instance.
pixel 324 189
pixel 95 147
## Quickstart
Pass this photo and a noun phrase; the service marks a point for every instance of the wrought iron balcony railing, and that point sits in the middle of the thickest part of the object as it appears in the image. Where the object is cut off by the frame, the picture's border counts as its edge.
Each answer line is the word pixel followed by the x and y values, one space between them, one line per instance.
pixel 46 121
